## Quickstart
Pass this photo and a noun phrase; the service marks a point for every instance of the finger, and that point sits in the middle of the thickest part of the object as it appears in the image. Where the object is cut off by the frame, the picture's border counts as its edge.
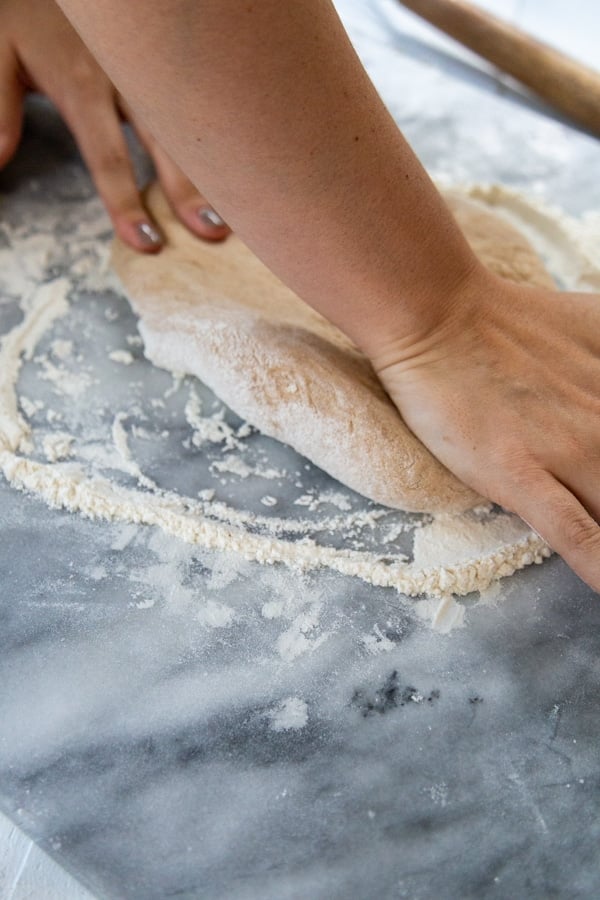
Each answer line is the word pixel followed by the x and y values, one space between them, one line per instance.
pixel 574 460
pixel 187 202
pixel 97 130
pixel 558 516
pixel 11 106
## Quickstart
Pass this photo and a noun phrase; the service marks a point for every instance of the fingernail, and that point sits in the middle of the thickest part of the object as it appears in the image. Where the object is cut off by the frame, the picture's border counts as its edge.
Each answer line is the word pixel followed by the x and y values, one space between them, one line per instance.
pixel 148 234
pixel 210 217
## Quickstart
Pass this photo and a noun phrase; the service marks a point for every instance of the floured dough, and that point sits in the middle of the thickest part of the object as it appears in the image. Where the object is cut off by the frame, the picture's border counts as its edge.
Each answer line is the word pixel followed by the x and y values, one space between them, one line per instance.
pixel 215 311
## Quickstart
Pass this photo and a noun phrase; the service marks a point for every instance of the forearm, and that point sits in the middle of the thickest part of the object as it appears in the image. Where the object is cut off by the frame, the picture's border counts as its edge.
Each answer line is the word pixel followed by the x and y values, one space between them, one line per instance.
pixel 266 107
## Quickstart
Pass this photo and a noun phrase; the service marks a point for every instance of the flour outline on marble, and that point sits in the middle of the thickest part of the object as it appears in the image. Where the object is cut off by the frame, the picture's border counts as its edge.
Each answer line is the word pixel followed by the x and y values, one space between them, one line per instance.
pixel 217 526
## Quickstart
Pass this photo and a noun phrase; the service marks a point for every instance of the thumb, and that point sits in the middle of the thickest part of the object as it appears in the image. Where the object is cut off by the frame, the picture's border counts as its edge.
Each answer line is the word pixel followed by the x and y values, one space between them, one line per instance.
pixel 11 106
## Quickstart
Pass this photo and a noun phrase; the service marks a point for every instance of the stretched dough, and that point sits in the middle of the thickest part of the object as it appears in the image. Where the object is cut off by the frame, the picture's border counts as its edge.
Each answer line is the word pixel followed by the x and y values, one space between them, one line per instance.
pixel 215 311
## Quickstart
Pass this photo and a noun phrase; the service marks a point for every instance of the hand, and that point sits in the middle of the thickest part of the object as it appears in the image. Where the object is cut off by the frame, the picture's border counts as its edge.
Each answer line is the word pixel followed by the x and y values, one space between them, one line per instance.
pixel 505 391
pixel 40 51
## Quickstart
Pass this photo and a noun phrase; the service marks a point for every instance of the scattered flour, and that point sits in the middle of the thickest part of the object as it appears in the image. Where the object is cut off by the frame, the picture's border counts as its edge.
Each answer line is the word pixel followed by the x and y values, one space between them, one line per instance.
pixel 215 615
pixel 47 304
pixel 377 642
pixel 128 464
pixel 209 429
pixel 57 445
pixel 121 356
pixel 235 465
pixel 273 609
pixel 443 614
pixel 61 349
pixel 72 384
pixel 302 635
pixel 313 501
pixel 289 715
pixel 30 407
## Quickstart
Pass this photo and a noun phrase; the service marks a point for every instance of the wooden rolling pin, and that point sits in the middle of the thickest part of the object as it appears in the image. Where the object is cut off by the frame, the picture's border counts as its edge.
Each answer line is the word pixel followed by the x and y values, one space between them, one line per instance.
pixel 569 86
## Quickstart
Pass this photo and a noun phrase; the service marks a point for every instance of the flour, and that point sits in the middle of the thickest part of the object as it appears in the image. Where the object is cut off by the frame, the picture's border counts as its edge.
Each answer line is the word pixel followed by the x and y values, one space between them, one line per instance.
pixel 377 642
pixel 50 304
pixel 128 464
pixel 57 445
pixel 569 246
pixel 444 614
pixel 302 636
pixel 215 615
pixel 124 357
pixel 289 715
pixel 65 381
pixel 332 498
pixel 119 436
pixel 451 554
pixel 30 407
pixel 209 429
pixel 61 348
pixel 237 466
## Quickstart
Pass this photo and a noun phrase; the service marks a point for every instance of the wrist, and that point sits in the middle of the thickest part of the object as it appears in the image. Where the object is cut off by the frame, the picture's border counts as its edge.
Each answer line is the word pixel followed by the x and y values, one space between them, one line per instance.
pixel 421 317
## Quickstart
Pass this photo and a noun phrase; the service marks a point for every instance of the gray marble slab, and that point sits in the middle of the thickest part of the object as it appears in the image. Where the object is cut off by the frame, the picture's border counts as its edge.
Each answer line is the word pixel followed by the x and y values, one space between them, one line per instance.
pixel 319 741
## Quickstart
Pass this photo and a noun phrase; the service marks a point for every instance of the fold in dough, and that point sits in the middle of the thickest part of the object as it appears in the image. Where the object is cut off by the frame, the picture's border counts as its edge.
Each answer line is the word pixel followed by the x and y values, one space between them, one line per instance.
pixel 215 311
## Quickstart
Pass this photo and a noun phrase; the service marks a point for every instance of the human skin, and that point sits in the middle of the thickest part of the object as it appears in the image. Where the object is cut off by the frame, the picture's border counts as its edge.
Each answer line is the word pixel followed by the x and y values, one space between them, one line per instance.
pixel 40 50
pixel 266 105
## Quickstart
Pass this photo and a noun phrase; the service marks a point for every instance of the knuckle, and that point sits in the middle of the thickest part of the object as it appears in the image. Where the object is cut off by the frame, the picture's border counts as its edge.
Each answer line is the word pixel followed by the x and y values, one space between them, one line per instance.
pixel 505 481
pixel 112 159
pixel 184 197
pixel 580 532
pixel 124 210
pixel 518 469
pixel 87 77
pixel 573 450
pixel 511 455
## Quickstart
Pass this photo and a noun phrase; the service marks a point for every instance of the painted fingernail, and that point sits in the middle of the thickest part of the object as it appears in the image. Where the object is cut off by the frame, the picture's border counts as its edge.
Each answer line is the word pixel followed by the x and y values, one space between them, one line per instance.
pixel 210 217
pixel 148 234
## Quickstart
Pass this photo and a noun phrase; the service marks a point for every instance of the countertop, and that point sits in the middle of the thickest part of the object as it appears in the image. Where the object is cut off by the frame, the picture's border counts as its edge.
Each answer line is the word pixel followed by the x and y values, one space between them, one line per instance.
pixel 179 723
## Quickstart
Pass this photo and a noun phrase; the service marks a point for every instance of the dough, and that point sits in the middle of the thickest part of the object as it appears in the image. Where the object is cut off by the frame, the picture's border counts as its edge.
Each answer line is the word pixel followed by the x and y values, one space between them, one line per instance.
pixel 215 311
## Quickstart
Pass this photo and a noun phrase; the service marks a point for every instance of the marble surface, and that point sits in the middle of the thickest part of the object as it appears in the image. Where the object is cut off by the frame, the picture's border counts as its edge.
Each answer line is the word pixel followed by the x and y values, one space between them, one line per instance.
pixel 181 724
pixel 27 873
